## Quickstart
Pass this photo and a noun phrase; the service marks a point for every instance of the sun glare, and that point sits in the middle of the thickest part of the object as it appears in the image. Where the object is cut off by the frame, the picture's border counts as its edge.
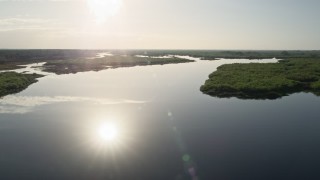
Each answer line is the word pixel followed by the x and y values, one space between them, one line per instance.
pixel 102 9
pixel 108 132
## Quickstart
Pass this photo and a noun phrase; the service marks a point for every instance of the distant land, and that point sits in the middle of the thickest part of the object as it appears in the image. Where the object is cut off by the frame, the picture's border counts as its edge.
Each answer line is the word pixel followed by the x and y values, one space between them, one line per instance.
pixel 297 71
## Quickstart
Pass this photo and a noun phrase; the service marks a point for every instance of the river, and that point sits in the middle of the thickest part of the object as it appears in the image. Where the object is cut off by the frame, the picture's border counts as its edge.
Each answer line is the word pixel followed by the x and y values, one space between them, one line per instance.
pixel 152 122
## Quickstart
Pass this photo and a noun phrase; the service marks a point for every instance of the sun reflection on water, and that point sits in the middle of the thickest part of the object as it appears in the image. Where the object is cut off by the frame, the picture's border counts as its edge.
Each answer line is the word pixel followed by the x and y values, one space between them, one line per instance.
pixel 108 132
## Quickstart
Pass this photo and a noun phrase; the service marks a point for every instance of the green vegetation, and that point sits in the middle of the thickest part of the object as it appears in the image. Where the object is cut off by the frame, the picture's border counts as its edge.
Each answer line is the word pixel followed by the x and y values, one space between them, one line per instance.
pixel 81 65
pixel 12 82
pixel 265 81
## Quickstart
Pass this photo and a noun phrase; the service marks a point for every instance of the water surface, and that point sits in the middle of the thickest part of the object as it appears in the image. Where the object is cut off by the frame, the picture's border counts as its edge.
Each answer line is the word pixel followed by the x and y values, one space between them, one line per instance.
pixel 166 128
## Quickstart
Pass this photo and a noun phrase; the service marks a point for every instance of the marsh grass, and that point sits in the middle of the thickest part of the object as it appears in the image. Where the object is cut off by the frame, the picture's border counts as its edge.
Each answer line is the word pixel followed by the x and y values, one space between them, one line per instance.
pixel 12 82
pixel 264 81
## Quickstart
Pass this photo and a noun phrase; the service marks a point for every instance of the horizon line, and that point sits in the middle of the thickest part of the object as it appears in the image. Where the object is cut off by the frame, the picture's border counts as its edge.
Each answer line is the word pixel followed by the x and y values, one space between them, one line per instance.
pixel 159 49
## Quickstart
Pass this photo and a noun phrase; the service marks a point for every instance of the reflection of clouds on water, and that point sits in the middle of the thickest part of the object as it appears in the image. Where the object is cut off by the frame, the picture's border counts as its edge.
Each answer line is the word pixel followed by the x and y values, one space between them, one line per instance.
pixel 14 109
pixel 23 104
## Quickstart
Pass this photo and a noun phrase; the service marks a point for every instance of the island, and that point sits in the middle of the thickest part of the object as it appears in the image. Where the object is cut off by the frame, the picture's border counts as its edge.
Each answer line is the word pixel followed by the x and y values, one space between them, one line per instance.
pixel 265 81
pixel 97 64
pixel 12 82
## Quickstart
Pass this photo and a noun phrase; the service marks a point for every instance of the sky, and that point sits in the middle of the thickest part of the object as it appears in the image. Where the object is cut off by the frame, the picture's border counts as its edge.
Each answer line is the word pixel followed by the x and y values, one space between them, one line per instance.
pixel 160 24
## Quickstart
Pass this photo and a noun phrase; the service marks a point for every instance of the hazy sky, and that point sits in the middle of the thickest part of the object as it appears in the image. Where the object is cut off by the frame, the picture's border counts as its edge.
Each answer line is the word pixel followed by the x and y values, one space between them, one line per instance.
pixel 160 24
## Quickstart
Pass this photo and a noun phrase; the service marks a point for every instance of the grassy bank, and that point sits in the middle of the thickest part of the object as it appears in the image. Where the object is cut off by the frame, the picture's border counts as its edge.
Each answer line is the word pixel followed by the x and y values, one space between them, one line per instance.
pixel 264 81
pixel 12 82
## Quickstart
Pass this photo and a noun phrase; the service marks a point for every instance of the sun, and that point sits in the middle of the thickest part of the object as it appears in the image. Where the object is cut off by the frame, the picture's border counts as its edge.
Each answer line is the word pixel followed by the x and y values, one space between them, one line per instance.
pixel 103 9
pixel 108 132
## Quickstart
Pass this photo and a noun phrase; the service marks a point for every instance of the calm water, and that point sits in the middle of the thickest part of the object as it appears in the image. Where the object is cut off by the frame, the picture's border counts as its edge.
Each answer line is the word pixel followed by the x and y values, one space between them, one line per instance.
pixel 163 127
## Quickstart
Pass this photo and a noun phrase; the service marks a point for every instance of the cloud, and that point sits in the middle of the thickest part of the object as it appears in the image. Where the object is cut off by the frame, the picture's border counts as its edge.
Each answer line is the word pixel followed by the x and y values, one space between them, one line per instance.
pixel 22 104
